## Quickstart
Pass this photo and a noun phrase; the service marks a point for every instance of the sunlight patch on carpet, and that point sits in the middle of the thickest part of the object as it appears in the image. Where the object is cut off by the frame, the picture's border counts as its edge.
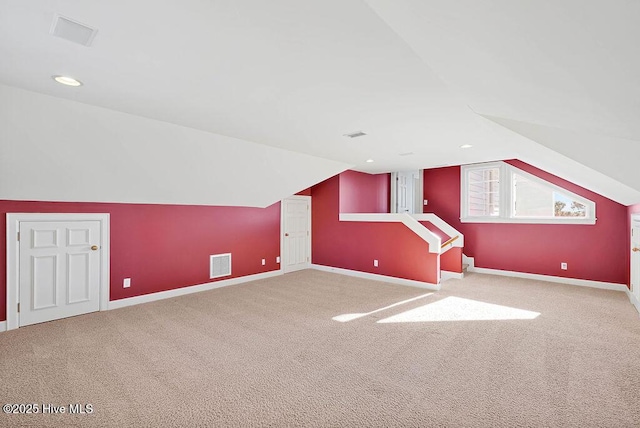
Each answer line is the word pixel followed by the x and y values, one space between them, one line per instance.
pixel 351 317
pixel 459 309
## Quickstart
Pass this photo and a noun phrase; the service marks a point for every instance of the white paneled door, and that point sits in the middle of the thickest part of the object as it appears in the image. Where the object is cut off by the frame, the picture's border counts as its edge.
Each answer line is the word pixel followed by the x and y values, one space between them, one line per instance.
pixel 404 192
pixel 408 191
pixel 296 227
pixel 59 269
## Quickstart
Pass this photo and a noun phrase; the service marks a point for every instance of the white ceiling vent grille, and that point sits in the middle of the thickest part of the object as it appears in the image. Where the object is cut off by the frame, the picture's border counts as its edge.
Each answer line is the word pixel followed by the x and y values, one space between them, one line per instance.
pixel 73 31
pixel 219 265
pixel 355 134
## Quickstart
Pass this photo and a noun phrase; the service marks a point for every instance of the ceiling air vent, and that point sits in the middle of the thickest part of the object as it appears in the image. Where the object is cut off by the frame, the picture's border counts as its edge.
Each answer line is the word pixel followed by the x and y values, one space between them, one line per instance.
pixel 355 134
pixel 219 265
pixel 73 31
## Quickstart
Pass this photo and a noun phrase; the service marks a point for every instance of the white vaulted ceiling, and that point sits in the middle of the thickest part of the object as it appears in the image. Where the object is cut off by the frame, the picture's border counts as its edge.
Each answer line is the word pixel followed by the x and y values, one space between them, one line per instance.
pixel 267 89
pixel 564 74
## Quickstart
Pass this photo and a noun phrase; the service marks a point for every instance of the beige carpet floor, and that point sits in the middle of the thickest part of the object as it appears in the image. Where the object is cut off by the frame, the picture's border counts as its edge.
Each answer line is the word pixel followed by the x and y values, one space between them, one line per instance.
pixel 268 353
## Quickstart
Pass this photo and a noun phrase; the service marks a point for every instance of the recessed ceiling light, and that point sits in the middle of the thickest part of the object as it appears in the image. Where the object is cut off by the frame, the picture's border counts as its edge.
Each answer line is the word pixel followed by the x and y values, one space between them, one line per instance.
pixel 66 80
pixel 466 146
pixel 369 160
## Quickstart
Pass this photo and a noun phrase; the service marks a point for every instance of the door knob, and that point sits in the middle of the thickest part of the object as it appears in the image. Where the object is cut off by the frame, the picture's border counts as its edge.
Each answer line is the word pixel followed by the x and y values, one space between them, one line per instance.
pixel 94 247
pixel 286 234
pixel 635 249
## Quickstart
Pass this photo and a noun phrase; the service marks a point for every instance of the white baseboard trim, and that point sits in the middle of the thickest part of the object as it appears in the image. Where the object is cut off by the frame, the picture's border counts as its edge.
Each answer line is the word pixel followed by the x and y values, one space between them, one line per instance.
pixel 146 298
pixel 376 277
pixel 3 326
pixel 634 300
pixel 550 278
pixel 445 275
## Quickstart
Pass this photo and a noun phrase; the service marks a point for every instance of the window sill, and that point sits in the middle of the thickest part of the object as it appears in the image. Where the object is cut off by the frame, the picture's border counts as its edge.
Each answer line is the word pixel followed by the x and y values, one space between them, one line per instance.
pixel 588 221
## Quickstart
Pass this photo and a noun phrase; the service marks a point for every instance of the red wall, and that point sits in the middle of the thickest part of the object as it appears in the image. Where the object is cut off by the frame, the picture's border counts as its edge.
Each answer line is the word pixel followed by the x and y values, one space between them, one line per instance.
pixel 595 252
pixel 364 193
pixel 435 230
pixel 354 246
pixel 452 260
pixel 162 247
pixel 633 209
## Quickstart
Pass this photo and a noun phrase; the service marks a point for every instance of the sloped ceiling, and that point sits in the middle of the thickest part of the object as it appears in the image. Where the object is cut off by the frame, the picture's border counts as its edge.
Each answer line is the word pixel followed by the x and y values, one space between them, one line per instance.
pixel 60 150
pixel 563 74
pixel 603 153
pixel 288 78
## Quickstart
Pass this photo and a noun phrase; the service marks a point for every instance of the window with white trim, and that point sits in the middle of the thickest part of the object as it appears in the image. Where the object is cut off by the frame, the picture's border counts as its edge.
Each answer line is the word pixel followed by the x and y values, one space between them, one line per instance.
pixel 501 193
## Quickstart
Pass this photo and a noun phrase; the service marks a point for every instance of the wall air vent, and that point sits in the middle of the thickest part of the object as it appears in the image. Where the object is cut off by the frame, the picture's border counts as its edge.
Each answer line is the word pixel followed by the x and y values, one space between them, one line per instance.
pixel 219 265
pixel 355 134
pixel 73 31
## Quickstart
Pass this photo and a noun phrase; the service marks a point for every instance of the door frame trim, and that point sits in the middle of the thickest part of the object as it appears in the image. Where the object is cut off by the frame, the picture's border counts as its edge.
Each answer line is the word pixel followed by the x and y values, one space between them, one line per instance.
pixel 393 193
pixel 309 246
pixel 635 218
pixel 13 256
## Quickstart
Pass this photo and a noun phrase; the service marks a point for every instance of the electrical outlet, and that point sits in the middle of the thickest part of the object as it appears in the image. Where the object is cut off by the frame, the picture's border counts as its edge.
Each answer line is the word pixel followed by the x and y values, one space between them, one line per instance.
pixel 126 283
pixel 264 262
pixel 563 266
pixel 426 202
pixel 375 263
pixel 278 259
